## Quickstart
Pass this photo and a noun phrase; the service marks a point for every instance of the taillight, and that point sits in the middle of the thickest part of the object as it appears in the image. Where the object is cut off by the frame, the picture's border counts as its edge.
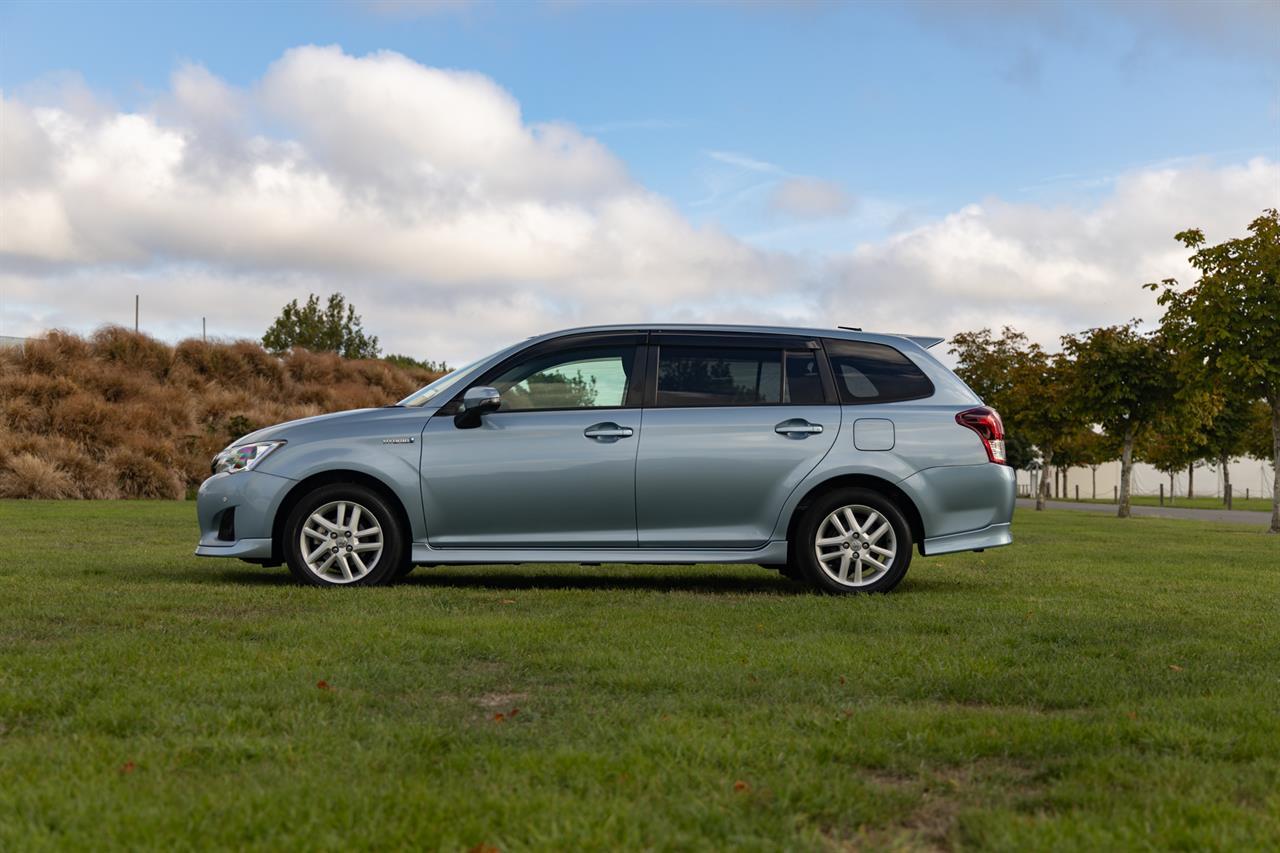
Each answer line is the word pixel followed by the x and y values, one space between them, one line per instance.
pixel 987 424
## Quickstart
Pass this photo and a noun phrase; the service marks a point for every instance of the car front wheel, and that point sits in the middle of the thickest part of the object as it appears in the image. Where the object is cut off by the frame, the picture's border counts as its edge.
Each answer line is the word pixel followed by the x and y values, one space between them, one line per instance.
pixel 853 540
pixel 344 534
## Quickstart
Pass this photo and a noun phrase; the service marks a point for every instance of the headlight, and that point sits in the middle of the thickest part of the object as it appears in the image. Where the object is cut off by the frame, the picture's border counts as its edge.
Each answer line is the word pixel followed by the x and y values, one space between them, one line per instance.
pixel 244 456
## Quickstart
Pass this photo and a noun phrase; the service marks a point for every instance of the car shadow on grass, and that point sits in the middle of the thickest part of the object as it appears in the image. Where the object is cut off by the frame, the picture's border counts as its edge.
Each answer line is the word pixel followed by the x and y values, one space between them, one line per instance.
pixel 491 578
pixel 483 577
pixel 516 580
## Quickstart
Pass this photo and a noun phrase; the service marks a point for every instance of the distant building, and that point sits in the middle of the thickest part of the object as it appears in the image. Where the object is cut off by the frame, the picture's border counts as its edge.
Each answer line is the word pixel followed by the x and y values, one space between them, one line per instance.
pixel 1252 474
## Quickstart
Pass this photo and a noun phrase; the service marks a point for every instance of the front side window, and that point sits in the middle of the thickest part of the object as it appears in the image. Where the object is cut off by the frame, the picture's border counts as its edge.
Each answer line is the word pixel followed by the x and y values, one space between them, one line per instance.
pixel 875 373
pixel 594 377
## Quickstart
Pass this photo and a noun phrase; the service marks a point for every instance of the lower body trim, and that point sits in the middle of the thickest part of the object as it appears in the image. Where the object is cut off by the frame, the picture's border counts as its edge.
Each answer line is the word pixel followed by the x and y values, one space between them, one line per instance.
pixel 991 536
pixel 774 552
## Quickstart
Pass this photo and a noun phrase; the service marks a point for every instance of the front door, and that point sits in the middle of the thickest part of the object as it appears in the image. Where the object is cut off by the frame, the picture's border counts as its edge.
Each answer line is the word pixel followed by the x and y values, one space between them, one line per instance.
pixel 555 465
pixel 734 425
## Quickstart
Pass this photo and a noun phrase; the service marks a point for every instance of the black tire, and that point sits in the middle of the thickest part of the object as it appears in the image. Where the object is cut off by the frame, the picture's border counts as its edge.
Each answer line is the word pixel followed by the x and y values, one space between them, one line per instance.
pixel 393 557
pixel 805 559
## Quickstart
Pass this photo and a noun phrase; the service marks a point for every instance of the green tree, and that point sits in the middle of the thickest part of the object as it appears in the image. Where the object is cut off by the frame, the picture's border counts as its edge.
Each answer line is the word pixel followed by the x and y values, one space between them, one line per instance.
pixel 334 328
pixel 1257 441
pixel 1165 446
pixel 1090 449
pixel 1230 318
pixel 1227 436
pixel 1124 381
pixel 421 364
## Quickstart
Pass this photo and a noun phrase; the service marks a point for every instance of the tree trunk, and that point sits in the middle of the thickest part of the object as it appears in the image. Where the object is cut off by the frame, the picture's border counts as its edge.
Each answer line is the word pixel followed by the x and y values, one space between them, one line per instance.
pixel 1191 478
pixel 1171 486
pixel 1094 470
pixel 1042 494
pixel 1226 477
pixel 1275 463
pixel 1126 472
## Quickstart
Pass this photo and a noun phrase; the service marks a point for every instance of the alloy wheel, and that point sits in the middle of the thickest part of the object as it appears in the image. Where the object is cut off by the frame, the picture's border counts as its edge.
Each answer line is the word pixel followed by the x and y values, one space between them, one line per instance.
pixel 341 542
pixel 855 545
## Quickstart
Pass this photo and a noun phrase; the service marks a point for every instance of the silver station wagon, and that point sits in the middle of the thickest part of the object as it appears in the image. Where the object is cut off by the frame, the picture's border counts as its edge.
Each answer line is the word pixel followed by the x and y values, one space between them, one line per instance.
pixel 827 455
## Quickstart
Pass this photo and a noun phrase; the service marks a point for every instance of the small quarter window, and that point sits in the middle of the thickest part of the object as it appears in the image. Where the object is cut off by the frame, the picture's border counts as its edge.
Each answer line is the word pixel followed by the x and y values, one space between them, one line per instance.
pixel 804 382
pixel 875 373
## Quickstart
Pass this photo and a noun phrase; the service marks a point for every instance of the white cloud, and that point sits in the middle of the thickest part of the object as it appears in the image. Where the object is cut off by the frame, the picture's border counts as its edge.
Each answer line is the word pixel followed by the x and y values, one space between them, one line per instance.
pixel 382 176
pixel 810 198
pixel 456 226
pixel 1049 270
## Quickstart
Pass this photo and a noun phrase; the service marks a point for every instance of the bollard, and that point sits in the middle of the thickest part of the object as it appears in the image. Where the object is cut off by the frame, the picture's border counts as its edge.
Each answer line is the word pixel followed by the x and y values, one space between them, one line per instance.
pixel 1077 493
pixel 1115 494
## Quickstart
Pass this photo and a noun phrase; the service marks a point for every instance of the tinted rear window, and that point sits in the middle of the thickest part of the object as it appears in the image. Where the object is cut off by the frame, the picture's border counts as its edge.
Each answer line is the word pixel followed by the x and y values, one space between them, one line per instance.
pixel 875 373
pixel 733 376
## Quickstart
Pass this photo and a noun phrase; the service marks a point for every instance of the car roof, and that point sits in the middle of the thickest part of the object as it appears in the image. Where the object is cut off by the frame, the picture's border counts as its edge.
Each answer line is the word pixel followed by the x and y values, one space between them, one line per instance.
pixel 846 333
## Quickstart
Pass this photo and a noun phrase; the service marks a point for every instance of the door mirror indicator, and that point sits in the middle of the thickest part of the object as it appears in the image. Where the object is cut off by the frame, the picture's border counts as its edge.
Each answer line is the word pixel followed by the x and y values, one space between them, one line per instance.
pixel 475 403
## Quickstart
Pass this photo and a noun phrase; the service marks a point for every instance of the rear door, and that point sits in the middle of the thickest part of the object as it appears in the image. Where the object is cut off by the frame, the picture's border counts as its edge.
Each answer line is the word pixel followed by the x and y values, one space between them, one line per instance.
pixel 732 424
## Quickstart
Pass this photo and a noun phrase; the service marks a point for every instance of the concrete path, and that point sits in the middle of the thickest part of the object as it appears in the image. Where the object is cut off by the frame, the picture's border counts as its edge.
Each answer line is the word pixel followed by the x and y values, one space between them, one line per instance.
pixel 1234 516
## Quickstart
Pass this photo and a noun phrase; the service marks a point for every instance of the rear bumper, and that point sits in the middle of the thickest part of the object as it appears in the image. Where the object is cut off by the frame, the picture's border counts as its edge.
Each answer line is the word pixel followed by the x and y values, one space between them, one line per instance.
pixel 961 499
pixel 991 536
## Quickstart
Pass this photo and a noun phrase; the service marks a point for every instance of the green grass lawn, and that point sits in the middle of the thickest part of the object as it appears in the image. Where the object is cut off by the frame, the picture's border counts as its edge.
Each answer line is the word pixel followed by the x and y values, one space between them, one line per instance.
pixel 1100 684
pixel 1254 504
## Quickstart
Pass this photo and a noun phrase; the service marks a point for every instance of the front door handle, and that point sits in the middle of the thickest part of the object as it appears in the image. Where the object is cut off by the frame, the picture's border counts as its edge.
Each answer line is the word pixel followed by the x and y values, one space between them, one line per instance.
pixel 797 428
pixel 608 431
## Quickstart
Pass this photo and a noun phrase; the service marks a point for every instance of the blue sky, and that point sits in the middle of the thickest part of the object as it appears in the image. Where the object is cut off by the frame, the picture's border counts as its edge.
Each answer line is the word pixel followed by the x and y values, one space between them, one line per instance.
pixel 899 115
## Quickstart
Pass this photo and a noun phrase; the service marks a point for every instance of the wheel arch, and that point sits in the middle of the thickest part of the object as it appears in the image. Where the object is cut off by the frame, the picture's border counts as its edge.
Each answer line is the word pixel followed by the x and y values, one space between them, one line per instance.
pixel 324 478
pixel 866 481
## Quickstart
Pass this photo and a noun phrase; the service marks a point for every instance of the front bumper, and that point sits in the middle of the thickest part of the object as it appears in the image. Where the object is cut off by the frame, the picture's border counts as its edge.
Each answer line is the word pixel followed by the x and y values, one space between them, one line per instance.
pixel 254 497
pixel 245 549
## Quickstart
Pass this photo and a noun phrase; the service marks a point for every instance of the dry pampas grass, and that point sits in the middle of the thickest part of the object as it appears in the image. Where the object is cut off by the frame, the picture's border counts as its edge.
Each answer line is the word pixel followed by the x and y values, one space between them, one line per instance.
pixel 122 415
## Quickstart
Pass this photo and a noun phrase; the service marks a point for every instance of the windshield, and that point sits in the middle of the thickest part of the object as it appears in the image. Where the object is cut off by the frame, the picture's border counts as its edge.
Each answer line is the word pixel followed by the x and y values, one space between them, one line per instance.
pixel 428 393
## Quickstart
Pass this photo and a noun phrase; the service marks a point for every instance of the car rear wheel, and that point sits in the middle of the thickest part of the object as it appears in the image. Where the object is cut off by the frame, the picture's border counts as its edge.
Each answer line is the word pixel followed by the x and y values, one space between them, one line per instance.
pixel 344 534
pixel 853 540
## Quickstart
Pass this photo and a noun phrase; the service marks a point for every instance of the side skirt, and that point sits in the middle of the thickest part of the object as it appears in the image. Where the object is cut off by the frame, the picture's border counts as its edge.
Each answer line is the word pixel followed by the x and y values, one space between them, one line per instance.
pixel 774 552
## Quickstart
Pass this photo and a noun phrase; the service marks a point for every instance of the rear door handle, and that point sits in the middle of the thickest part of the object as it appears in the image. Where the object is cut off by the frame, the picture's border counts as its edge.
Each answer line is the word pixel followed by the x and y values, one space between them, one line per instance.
pixel 797 428
pixel 608 431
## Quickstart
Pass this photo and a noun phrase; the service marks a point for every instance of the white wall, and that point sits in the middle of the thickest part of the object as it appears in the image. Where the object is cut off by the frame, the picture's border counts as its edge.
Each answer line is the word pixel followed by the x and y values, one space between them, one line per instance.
pixel 1248 474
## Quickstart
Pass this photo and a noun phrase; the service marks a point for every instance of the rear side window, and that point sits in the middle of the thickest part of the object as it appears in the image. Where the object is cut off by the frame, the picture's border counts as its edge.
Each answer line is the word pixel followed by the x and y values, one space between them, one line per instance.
pixel 726 376
pixel 875 373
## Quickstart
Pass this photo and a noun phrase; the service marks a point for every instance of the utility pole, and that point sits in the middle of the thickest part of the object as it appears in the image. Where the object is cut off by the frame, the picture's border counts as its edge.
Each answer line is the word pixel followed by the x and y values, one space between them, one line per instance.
pixel 204 334
pixel 135 313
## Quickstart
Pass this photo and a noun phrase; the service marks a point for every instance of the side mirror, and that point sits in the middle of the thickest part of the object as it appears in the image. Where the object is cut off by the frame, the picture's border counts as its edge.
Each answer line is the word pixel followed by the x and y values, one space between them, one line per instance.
pixel 476 401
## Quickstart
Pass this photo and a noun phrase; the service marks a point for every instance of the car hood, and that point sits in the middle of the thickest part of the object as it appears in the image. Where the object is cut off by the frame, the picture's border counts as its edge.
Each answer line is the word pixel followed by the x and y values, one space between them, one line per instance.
pixel 335 423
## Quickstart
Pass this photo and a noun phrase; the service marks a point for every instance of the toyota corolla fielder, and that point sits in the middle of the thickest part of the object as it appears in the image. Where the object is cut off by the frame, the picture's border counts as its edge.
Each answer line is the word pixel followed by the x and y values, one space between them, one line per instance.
pixel 827 455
